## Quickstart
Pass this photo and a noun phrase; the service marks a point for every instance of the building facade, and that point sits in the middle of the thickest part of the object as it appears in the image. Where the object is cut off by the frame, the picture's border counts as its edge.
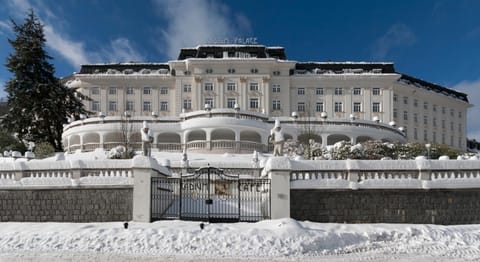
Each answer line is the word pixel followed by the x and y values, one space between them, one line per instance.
pixel 234 93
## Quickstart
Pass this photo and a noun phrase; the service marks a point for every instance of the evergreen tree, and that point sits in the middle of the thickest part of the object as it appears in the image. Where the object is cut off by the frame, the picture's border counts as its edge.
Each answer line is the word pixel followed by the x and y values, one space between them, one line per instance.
pixel 38 103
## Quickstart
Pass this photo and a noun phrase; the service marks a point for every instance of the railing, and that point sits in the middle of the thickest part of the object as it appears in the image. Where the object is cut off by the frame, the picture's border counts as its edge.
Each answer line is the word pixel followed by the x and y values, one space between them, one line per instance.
pixel 344 122
pixel 358 174
pixel 75 147
pixel 226 112
pixel 66 173
pixel 251 146
pixel 224 144
pixel 169 147
pixel 197 144
pixel 88 147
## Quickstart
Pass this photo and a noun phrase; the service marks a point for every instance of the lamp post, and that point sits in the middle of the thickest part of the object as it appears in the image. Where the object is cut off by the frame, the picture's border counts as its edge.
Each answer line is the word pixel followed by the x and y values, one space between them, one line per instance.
pixel 154 115
pixel 294 115
pixel 428 147
pixel 237 109
pixel 101 115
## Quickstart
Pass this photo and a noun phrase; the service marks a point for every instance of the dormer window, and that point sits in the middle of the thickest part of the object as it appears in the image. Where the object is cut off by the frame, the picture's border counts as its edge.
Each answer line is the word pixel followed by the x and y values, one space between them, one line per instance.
pixel 145 71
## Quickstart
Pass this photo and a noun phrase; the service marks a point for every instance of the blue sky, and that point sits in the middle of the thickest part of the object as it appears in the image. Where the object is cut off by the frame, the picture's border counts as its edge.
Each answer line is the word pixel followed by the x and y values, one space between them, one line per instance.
pixel 433 40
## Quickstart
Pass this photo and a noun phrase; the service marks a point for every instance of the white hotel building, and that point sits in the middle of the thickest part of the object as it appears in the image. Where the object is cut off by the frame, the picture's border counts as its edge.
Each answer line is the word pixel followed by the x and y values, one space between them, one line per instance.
pixel 247 87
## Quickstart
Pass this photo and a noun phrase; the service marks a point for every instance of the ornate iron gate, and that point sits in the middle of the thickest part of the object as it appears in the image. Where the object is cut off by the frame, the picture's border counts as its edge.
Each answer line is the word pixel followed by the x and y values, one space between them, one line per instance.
pixel 210 195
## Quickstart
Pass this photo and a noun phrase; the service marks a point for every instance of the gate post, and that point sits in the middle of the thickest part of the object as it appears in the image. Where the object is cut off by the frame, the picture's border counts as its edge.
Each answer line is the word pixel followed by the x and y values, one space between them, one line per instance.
pixel 278 170
pixel 143 169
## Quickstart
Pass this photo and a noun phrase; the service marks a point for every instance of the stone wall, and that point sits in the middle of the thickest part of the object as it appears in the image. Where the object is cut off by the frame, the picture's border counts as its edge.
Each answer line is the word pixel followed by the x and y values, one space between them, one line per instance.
pixel 435 206
pixel 72 204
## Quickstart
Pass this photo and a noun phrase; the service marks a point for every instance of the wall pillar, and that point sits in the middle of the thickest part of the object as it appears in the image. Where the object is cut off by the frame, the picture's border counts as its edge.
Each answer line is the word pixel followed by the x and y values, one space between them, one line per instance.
pixel 278 169
pixel 143 169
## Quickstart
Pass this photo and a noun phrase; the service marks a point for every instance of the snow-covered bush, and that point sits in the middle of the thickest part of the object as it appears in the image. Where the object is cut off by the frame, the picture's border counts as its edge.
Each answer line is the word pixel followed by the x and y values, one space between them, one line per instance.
pixel 119 152
pixel 373 150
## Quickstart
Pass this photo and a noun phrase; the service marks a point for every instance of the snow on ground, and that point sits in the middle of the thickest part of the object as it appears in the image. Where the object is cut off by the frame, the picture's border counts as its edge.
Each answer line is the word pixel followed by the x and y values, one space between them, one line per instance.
pixel 271 240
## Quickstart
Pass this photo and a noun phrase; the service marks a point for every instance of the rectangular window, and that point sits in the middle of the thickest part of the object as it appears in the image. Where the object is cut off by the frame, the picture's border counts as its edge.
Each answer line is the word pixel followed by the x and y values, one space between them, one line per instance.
pixel 434 137
pixel 147 106
pixel 319 107
pixel 276 105
pixel 443 138
pixel 443 110
pixel 452 112
pixel 405 100
pixel 338 107
pixel 443 124
pixel 187 104
pixel 425 120
pixel 415 135
pixel 434 108
pixel 357 107
pixel 395 113
pixel 112 91
pixel 301 91
pixel 405 115
pixel 459 114
pixel 164 91
pixel 425 105
pixel 209 100
pixel 425 135
pixel 276 88
pixel 451 126
pixel 338 91
pixel 208 86
pixel 231 86
pixel 112 106
pixel 130 106
pixel 376 107
pixel 301 107
pixel 231 102
pixel 164 106
pixel 415 102
pixel 319 91
pixel 129 90
pixel 95 90
pixel 253 103
pixel 376 91
pixel 357 91
pixel 253 86
pixel 395 98
pixel 187 88
pixel 147 90
pixel 415 117
pixel 434 122
pixel 95 106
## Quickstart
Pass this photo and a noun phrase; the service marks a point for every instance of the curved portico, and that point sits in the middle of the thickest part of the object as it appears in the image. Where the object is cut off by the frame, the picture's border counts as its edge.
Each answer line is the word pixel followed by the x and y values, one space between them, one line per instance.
pixel 218 131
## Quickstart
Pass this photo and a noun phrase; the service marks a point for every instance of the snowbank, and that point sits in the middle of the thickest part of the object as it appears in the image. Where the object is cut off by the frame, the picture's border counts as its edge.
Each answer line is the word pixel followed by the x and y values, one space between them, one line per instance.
pixel 285 238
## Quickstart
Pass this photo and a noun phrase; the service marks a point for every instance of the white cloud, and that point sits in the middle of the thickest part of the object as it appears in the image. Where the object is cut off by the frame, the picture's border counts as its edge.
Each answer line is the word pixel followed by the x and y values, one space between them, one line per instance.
pixel 72 50
pixel 4 28
pixel 472 88
pixel 398 35
pixel 121 50
pixel 195 22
